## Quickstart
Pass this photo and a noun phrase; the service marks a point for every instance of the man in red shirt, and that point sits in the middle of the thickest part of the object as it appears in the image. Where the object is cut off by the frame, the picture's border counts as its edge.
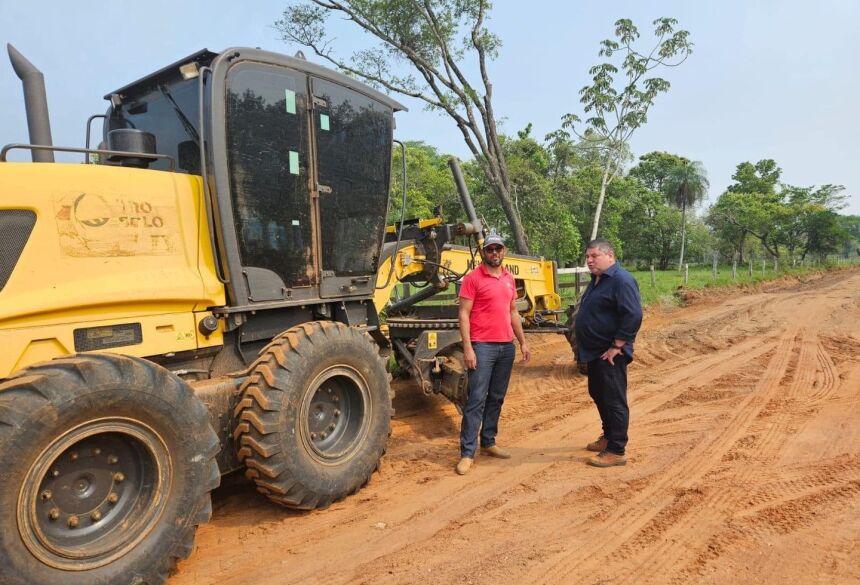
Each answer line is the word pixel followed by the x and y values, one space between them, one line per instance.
pixel 488 322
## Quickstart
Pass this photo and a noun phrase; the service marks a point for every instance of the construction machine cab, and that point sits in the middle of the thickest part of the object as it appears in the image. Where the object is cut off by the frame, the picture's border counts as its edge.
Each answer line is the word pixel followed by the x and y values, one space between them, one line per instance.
pixel 295 161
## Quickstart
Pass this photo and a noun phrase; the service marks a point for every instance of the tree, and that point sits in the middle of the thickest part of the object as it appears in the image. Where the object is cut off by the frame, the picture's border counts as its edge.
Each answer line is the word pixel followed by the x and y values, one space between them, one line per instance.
pixel 761 177
pixel 737 214
pixel 545 215
pixel 429 184
pixel 851 226
pixel 614 114
pixel 653 169
pixel 435 37
pixel 650 235
pixel 746 202
pixel 687 184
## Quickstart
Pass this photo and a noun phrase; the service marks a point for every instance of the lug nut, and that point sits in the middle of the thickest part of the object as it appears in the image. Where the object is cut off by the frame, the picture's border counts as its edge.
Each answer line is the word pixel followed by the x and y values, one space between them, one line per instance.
pixel 73 455
pixel 97 451
pixel 113 460
pixel 46 495
pixel 324 435
pixel 331 427
pixel 73 521
pixel 313 436
pixel 119 477
pixel 54 514
pixel 56 473
pixel 96 516
pixel 335 398
pixel 112 498
pixel 336 413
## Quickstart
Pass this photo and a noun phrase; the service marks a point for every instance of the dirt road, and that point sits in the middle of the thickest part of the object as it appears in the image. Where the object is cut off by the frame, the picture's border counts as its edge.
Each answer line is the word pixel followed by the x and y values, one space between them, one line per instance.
pixel 744 467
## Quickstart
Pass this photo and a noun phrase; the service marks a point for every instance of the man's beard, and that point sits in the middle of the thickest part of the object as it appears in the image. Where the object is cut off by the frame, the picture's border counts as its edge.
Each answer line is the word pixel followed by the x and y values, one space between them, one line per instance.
pixel 493 261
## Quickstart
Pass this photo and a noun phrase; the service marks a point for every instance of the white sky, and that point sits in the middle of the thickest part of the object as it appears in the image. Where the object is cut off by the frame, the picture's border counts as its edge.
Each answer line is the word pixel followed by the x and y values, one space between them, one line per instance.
pixel 767 79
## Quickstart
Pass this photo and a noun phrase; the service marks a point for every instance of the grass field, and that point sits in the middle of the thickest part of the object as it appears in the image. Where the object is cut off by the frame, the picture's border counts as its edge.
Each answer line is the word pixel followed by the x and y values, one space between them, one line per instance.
pixel 667 282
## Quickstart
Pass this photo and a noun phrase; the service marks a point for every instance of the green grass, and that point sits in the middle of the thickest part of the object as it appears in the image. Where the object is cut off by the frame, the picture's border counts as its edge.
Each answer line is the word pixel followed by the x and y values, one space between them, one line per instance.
pixel 667 282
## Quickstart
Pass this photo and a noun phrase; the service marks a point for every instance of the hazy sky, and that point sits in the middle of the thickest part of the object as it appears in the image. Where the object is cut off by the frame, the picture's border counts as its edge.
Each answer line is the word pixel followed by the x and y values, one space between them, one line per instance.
pixel 767 79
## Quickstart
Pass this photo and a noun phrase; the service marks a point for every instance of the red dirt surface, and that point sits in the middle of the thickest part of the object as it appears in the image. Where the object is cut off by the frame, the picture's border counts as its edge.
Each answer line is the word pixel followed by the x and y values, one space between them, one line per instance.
pixel 744 467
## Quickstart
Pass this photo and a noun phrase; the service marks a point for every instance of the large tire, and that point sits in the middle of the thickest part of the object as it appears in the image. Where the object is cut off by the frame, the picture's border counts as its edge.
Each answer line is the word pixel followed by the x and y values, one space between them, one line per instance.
pixel 106 465
pixel 314 417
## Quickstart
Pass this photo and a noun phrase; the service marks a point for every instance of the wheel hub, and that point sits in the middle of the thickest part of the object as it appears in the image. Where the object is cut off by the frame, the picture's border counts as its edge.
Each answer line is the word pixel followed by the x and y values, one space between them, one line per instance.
pixel 94 493
pixel 336 414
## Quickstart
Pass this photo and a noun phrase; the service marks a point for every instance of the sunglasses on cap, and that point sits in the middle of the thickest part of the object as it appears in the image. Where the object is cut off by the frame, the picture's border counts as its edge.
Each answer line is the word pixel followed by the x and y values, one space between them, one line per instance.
pixel 494 249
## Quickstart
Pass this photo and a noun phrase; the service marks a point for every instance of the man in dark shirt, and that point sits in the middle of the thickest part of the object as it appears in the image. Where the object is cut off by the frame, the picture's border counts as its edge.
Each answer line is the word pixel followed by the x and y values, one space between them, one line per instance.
pixel 607 321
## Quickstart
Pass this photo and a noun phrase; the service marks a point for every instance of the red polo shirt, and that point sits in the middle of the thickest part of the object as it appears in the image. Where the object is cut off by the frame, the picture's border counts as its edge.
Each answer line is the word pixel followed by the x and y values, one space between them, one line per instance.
pixel 490 319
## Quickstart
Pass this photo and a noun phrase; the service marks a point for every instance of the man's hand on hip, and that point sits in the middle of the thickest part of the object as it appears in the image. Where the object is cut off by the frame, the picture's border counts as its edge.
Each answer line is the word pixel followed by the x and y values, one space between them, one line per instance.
pixel 610 355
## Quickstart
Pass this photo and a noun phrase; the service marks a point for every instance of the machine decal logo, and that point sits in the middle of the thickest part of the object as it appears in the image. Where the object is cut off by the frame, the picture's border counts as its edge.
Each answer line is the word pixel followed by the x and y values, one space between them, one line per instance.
pixel 102 224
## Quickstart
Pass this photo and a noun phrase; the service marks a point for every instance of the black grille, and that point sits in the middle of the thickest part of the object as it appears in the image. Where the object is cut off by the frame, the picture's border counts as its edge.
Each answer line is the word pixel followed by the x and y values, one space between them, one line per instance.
pixel 108 336
pixel 16 225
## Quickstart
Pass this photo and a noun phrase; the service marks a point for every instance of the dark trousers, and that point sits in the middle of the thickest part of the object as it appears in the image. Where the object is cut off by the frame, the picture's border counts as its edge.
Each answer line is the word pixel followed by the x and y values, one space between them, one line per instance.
pixel 607 385
pixel 488 384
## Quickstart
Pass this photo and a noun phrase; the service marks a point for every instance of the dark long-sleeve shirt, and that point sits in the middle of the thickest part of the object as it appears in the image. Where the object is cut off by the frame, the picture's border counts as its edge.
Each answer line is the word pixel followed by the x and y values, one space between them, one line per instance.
pixel 609 311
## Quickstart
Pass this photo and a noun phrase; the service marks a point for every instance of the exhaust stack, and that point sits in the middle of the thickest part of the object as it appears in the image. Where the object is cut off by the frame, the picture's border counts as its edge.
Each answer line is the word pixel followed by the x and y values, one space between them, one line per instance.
pixel 36 103
pixel 474 226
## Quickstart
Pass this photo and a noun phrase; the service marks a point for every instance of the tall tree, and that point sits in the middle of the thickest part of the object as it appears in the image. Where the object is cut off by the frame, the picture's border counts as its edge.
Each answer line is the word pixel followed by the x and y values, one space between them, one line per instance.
pixel 437 38
pixel 654 168
pixel 687 184
pixel 549 221
pixel 614 113
pixel 745 203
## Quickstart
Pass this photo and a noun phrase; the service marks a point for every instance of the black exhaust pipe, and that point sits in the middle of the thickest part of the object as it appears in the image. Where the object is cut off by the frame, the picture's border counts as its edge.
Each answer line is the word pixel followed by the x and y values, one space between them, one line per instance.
pixel 36 103
pixel 474 226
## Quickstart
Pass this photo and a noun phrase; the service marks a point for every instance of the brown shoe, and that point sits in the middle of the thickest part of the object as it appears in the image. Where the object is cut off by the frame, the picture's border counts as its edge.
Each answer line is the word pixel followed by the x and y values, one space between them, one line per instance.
pixel 464 465
pixel 496 451
pixel 607 459
pixel 598 445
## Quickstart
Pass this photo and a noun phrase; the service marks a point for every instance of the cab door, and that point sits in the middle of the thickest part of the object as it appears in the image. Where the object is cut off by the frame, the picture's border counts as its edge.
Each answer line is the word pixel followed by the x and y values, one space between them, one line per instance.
pixel 268 159
pixel 352 136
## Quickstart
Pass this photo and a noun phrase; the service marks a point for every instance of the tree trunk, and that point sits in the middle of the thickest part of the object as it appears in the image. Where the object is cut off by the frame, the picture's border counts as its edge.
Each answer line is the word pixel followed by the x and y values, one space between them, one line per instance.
pixel 603 184
pixel 740 247
pixel 518 232
pixel 683 233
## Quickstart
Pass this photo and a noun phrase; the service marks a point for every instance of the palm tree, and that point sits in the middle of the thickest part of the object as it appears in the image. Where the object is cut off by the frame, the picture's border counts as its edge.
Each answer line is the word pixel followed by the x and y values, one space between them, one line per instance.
pixel 686 185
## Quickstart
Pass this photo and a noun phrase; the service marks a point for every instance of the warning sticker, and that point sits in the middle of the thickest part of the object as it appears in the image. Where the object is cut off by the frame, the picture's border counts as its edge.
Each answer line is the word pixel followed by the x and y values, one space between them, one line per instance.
pixel 94 224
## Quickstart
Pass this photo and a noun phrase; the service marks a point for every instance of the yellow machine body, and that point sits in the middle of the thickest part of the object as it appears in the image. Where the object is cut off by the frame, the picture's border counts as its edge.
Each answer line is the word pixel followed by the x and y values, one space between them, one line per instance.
pixel 536 279
pixel 119 258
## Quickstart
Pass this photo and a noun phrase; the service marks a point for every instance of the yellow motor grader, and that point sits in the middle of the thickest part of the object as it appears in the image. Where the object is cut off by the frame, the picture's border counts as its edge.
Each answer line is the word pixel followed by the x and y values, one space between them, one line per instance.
pixel 424 333
pixel 201 294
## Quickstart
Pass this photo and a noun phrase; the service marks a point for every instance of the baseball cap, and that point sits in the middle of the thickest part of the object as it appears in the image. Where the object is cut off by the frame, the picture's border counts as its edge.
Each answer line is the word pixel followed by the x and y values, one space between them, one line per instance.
pixel 493 239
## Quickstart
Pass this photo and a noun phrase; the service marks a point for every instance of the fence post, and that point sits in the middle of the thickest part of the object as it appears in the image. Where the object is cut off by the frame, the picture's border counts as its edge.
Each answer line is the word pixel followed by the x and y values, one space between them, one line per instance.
pixel 734 268
pixel 763 265
pixel 653 277
pixel 576 283
pixel 775 265
pixel 686 272
pixel 750 266
pixel 714 267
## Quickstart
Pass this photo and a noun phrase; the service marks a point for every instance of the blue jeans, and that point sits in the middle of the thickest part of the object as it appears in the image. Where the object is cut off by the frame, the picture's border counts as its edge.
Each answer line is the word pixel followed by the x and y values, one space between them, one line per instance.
pixel 488 384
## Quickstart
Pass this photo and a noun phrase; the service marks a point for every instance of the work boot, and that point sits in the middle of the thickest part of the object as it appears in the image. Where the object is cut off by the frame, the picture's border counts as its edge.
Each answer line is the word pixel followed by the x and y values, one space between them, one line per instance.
pixel 598 445
pixel 607 459
pixel 464 465
pixel 495 451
